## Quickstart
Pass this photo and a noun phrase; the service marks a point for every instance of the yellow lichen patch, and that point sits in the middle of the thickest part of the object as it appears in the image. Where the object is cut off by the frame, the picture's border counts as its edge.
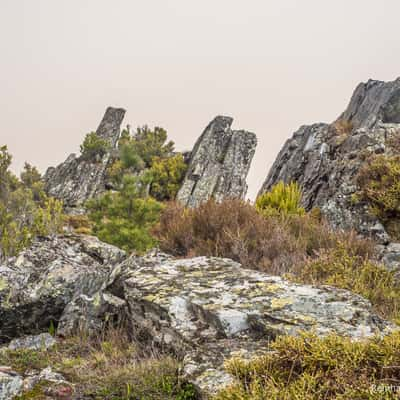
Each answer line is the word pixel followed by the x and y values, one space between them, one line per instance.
pixel 3 284
pixel 281 303
pixel 273 288
pixel 150 297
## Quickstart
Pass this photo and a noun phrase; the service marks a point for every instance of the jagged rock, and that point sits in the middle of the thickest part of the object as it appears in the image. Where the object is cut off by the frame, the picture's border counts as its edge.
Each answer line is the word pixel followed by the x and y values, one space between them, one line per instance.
pixel 78 179
pixel 210 309
pixel 36 286
pixel 10 383
pixel 33 342
pixel 325 163
pixel 219 164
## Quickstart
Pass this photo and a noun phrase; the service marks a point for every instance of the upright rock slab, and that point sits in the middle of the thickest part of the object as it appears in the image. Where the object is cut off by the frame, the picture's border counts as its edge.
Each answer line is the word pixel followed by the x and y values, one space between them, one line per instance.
pixel 77 179
pixel 325 161
pixel 219 164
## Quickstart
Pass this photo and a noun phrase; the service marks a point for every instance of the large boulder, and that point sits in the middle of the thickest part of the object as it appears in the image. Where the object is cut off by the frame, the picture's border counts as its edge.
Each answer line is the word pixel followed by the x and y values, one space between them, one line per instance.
pixel 325 160
pixel 219 164
pixel 210 309
pixel 36 286
pixel 78 179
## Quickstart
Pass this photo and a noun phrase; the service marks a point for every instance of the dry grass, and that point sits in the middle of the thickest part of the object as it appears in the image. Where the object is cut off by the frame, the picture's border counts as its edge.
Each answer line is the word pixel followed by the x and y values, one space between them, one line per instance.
pixel 111 367
pixel 234 229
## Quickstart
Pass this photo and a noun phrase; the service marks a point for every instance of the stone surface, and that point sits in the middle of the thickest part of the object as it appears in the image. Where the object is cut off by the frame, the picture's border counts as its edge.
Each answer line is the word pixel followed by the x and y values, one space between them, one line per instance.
pixel 10 383
pixel 219 164
pixel 36 286
pixel 210 309
pixel 78 179
pixel 33 342
pixel 325 163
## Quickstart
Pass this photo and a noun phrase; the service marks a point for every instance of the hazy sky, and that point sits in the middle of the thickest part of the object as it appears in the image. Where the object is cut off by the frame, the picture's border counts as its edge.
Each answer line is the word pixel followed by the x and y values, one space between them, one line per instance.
pixel 272 65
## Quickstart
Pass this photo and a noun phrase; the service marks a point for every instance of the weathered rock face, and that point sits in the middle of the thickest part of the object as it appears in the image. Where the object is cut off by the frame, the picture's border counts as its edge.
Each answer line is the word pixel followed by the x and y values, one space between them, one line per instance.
pixel 326 163
pixel 77 179
pixel 211 309
pixel 219 164
pixel 36 286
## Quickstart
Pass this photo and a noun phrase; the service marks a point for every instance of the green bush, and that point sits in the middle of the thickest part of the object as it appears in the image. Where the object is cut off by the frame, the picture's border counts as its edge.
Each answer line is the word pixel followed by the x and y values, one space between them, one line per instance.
pixel 167 176
pixel 309 367
pixel 283 199
pixel 124 218
pixel 94 146
pixel 379 181
pixel 152 144
pixel 25 210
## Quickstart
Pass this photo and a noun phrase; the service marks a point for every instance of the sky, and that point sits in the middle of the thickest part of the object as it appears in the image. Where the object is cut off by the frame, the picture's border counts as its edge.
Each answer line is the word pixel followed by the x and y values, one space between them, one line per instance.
pixel 271 65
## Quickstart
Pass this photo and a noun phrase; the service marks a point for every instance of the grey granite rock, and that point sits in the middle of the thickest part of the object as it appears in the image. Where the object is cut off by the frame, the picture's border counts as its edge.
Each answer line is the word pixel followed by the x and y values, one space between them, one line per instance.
pixel 78 179
pixel 33 342
pixel 325 162
pixel 36 286
pixel 219 164
pixel 10 383
pixel 210 309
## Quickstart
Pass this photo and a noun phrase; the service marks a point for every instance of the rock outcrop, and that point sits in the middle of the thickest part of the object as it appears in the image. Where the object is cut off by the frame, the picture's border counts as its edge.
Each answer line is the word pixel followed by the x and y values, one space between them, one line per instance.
pixel 325 161
pixel 206 310
pixel 219 164
pixel 36 286
pixel 78 179
pixel 209 309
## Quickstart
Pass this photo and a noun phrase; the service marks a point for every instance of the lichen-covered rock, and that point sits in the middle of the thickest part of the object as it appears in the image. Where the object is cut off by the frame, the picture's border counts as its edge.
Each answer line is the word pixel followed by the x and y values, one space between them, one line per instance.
pixel 36 286
pixel 211 309
pixel 33 342
pixel 325 161
pixel 10 383
pixel 79 179
pixel 219 164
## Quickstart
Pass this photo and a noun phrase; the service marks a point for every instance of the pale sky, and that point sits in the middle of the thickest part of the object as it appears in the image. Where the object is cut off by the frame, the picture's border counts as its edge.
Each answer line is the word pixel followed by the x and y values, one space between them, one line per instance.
pixel 271 65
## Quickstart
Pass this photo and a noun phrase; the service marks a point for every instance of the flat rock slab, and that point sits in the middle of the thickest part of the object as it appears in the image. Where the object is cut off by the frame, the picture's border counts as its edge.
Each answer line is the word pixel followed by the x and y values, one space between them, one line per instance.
pixel 211 309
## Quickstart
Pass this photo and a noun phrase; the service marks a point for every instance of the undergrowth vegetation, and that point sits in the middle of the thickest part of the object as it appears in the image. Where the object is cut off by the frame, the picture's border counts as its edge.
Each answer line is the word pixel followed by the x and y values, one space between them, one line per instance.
pixel 379 181
pixel 309 367
pixel 25 209
pixel 110 367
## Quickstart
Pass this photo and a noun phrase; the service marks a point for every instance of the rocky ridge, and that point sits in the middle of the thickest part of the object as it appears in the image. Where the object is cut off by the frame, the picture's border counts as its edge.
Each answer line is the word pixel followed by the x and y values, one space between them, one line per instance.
pixel 325 161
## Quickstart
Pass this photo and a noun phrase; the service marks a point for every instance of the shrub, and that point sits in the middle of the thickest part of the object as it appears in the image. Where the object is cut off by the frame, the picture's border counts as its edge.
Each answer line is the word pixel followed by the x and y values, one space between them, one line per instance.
pixel 80 224
pixel 124 218
pixel 336 267
pixel 234 229
pixel 152 143
pixel 282 199
pixel 94 146
pixel 309 367
pixel 25 210
pixel 343 127
pixel 379 181
pixel 167 176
